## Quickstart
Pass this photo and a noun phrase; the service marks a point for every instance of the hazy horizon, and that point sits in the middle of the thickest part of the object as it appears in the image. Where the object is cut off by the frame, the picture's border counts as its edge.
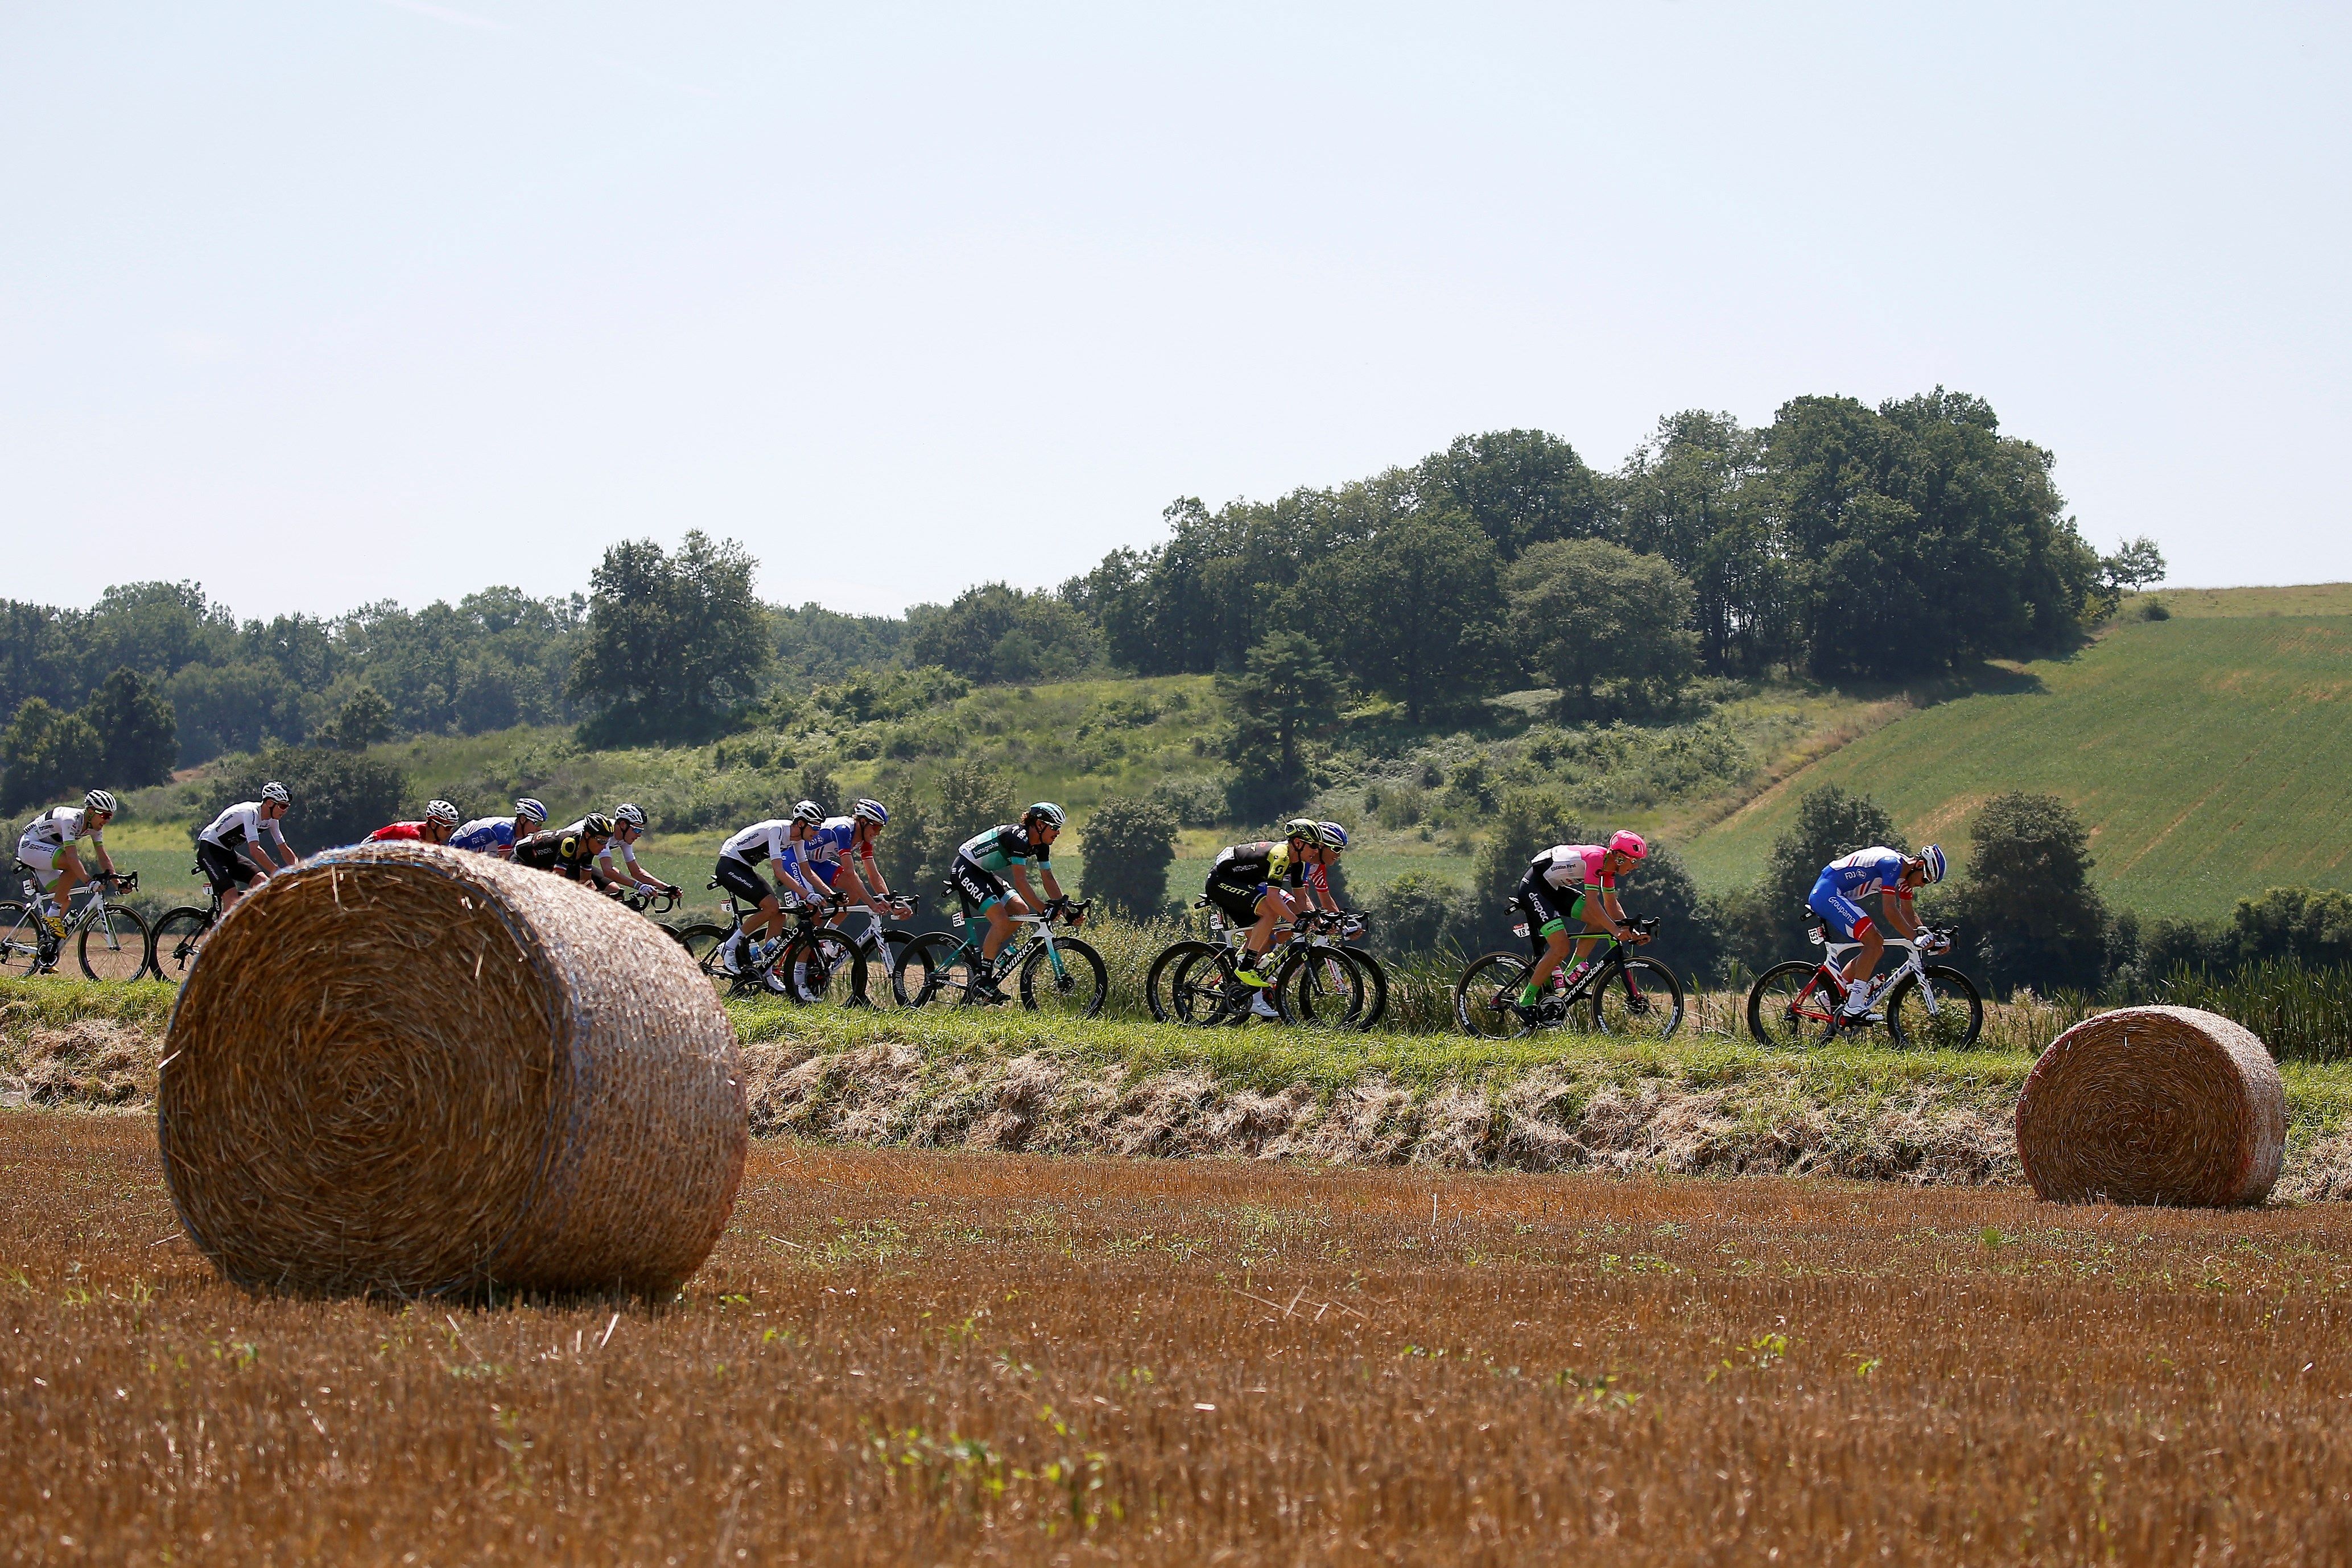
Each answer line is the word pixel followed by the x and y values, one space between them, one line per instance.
pixel 381 298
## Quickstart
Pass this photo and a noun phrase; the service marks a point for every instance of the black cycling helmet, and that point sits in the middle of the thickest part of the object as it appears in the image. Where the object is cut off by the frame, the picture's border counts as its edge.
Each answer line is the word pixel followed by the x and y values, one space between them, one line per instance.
pixel 596 824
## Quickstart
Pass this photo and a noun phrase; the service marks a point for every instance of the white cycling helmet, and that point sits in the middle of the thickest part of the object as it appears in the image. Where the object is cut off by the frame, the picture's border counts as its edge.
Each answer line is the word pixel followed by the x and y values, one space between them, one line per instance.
pixel 808 811
pixel 627 816
pixel 1932 857
pixel 1046 812
pixel 1333 836
pixel 98 800
pixel 441 811
pixel 275 794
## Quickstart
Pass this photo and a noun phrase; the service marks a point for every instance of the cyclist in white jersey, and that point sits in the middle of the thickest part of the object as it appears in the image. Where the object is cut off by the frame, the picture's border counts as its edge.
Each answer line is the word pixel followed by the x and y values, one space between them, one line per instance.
pixel 231 852
pixel 781 842
pixel 48 853
pixel 628 826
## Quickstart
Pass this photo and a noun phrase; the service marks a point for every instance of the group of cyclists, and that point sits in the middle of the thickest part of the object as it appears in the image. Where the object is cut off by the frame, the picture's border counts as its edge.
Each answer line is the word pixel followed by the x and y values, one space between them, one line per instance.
pixel 823 860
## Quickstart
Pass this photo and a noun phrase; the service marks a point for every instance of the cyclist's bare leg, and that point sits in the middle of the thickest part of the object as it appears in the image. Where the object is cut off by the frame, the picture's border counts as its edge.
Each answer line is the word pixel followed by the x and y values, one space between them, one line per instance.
pixel 69 876
pixel 1272 911
pixel 1865 962
pixel 1000 924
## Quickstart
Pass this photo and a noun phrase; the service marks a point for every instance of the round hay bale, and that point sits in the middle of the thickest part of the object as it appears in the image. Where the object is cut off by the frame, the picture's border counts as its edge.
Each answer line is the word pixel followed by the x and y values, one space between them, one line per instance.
pixel 413 1070
pixel 2154 1105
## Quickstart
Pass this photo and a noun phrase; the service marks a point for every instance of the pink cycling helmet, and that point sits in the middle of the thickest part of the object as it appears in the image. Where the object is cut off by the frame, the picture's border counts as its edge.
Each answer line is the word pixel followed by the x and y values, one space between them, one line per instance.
pixel 1632 846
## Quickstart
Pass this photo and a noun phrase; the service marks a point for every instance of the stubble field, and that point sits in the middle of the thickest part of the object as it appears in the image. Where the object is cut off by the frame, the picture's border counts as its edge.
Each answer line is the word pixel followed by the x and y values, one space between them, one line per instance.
pixel 901 1356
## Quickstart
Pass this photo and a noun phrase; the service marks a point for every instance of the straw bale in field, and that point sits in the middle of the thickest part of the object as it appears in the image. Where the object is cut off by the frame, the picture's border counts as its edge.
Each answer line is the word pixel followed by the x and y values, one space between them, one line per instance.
pixel 2154 1105
pixel 408 1070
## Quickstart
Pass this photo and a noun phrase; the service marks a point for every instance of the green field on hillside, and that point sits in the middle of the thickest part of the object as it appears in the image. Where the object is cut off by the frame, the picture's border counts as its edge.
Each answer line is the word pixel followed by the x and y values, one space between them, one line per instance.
pixel 2208 753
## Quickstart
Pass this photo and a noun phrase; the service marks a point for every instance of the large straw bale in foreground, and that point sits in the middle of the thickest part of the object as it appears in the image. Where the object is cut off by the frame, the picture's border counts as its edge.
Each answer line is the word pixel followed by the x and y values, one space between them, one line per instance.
pixel 409 1069
pixel 2154 1105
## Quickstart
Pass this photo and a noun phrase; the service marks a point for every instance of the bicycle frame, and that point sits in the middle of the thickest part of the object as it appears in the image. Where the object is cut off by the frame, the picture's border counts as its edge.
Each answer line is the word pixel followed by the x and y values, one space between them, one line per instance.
pixel 1609 960
pixel 93 905
pixel 1835 954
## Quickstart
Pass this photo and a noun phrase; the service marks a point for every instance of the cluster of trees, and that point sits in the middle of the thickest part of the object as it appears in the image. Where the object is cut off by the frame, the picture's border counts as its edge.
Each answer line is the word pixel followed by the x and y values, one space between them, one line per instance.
pixel 496 658
pixel 1842 541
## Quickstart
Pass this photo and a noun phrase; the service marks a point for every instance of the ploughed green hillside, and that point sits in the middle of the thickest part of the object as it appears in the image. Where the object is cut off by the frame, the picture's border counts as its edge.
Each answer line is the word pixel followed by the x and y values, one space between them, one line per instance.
pixel 2210 754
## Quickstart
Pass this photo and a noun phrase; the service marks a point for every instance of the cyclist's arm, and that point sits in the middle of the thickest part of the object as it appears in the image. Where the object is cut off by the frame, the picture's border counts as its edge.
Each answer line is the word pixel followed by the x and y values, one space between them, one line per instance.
pixel 1613 909
pixel 105 862
pixel 1046 870
pixel 787 872
pixel 866 895
pixel 257 852
pixel 1318 889
pixel 1900 913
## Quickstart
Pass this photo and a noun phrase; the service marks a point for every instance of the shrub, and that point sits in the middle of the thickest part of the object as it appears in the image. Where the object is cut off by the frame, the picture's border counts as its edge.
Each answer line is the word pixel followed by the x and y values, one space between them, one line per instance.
pixel 1128 845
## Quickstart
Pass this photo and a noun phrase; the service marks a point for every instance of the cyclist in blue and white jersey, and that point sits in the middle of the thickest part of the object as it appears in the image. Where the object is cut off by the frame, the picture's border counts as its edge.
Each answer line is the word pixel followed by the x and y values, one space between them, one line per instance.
pixel 1837 897
pixel 848 842
pixel 781 842
pixel 983 862
pixel 496 835
pixel 49 852
pixel 628 826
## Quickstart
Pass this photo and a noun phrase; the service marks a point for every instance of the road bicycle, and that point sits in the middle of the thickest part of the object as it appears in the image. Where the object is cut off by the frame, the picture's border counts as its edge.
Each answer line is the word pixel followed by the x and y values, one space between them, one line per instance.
pixel 1058 974
pixel 110 944
pixel 1801 1002
pixel 1621 994
pixel 814 964
pixel 1314 979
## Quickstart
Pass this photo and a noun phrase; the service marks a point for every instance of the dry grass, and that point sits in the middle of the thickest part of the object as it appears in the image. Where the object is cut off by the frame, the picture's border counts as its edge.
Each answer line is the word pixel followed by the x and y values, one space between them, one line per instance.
pixel 911 1357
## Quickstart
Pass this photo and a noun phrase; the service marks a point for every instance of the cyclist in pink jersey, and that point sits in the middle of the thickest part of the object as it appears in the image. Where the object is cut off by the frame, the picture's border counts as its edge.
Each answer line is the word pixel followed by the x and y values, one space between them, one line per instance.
pixel 1571 882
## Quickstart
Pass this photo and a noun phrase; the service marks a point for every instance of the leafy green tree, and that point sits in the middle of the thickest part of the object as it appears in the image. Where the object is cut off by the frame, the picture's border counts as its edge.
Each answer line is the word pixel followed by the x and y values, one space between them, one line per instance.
pixel 339 797
pixel 1128 845
pixel 46 755
pixel 1286 692
pixel 365 718
pixel 2137 563
pixel 1517 486
pixel 138 733
pixel 2310 926
pixel 1691 494
pixel 1928 538
pixel 2030 915
pixel 1415 613
pixel 674 644
pixel 994 633
pixel 1609 628
pixel 816 782
pixel 232 708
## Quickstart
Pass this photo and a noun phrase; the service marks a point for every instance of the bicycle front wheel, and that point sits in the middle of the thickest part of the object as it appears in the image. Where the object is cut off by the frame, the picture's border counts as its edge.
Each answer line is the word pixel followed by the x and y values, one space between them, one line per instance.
pixel 1069 979
pixel 175 940
pixel 1199 986
pixel 1793 1005
pixel 20 943
pixel 1640 999
pixel 113 946
pixel 822 966
pixel 1945 1014
pixel 701 943
pixel 1376 987
pixel 1482 1001
pixel 1320 989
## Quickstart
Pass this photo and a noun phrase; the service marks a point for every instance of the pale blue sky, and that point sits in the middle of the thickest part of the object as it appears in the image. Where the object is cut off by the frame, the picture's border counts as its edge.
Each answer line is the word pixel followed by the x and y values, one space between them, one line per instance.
pixel 325 301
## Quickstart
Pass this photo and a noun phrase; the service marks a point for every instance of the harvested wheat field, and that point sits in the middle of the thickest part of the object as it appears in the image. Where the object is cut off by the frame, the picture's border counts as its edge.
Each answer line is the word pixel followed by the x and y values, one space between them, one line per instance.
pixel 913 1356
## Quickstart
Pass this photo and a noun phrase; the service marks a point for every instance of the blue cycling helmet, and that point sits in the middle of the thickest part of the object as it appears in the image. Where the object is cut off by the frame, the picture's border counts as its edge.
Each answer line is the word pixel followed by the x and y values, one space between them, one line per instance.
pixel 1333 836
pixel 868 809
pixel 530 810
pixel 1932 857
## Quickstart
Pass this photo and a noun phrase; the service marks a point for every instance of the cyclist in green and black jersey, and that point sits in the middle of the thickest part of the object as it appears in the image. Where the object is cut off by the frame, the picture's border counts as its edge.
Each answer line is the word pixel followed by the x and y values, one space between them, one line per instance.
pixel 1259 885
pixel 986 859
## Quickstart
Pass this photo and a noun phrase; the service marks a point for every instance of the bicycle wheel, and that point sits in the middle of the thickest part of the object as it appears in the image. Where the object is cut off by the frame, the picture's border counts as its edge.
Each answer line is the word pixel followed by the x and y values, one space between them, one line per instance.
pixel 1376 987
pixel 822 965
pixel 1641 1000
pixel 945 967
pixel 113 946
pixel 702 943
pixel 1947 1014
pixel 1196 978
pixel 20 943
pixel 1481 999
pixel 1070 979
pixel 1158 995
pixel 1793 1005
pixel 1320 988
pixel 175 940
